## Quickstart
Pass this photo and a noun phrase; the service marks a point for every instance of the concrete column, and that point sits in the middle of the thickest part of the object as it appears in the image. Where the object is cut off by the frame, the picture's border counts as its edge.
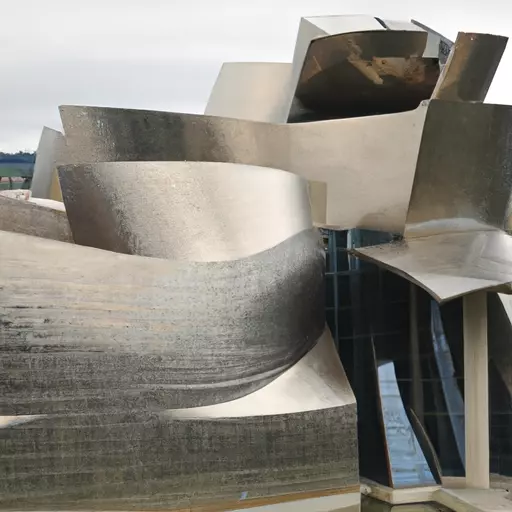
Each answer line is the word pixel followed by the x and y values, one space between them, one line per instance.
pixel 476 390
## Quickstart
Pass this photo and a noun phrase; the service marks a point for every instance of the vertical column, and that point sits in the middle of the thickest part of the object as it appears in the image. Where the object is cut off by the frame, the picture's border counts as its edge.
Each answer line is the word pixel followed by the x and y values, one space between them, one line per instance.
pixel 476 390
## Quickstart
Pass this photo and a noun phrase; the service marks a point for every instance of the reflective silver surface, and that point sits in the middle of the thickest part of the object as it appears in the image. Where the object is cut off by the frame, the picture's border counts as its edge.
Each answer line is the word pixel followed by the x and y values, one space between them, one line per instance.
pixel 257 91
pixel 46 162
pixel 471 66
pixel 146 332
pixel 454 243
pixel 463 178
pixel 23 216
pixel 317 381
pixel 357 158
pixel 100 344
pixel 193 211
pixel 449 265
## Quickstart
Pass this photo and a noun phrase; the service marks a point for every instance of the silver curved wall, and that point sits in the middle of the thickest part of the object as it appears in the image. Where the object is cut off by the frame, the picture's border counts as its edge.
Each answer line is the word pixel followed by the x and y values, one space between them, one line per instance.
pixel 356 159
pixel 203 370
pixel 192 211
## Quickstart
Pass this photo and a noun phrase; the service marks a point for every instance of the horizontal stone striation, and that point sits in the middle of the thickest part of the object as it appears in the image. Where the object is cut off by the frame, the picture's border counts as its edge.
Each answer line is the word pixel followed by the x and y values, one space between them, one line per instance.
pixel 135 460
pixel 83 329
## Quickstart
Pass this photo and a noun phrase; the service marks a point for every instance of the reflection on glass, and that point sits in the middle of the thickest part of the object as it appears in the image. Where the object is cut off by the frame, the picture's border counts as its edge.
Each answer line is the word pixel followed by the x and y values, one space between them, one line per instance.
pixel 372 316
pixel 408 464
pixel 446 369
pixel 370 312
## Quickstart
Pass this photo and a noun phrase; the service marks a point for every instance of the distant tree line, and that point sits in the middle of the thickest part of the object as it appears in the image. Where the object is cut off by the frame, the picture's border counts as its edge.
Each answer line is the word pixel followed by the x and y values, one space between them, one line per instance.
pixel 21 157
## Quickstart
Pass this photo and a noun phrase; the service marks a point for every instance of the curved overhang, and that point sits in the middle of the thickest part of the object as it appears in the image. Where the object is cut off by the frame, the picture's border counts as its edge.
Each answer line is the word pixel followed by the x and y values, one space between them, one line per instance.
pixel 455 241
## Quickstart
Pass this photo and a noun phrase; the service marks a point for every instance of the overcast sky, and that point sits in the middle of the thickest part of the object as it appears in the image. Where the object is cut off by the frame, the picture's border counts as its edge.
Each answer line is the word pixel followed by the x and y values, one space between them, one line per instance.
pixel 165 54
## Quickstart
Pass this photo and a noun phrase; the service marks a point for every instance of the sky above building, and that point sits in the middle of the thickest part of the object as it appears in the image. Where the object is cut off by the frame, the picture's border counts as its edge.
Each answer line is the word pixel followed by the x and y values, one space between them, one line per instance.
pixel 165 54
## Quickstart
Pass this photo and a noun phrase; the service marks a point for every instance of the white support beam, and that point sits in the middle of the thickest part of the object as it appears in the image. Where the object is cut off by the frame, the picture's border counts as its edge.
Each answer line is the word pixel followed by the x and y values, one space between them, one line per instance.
pixel 476 390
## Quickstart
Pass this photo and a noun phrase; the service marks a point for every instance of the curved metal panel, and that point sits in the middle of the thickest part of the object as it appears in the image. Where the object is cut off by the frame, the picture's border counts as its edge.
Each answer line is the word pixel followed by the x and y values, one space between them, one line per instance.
pixel 193 211
pixel 257 91
pixel 461 198
pixel 23 216
pixel 470 68
pixel 449 265
pixel 338 153
pixel 145 332
pixel 105 461
pixel 365 73
pixel 46 162
pixel 317 381
pixel 463 178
